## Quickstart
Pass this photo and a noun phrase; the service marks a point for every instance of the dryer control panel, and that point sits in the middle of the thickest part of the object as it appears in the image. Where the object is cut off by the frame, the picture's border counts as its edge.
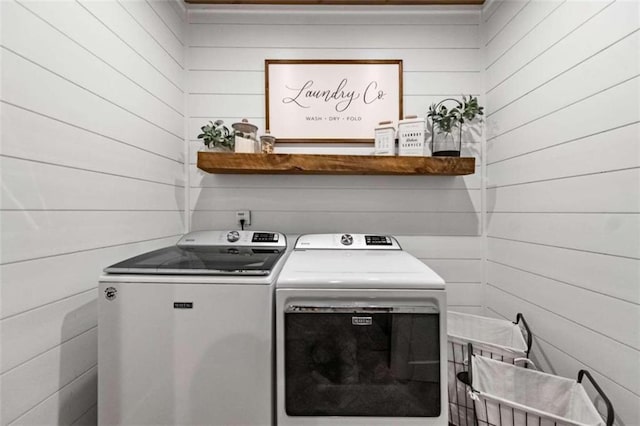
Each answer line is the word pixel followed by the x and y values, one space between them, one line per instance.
pixel 347 242
pixel 378 240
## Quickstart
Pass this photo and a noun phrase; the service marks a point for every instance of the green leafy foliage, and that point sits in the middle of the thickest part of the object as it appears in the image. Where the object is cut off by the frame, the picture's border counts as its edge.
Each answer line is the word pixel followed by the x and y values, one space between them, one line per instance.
pixel 216 134
pixel 445 120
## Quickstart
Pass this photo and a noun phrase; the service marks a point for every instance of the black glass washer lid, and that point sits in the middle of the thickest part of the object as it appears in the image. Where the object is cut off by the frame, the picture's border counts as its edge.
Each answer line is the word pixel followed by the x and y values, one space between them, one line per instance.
pixel 202 260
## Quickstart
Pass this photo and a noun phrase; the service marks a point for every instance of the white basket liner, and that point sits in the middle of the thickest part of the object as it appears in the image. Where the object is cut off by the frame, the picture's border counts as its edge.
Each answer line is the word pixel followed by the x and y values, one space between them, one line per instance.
pixel 488 334
pixel 550 397
pixel 496 338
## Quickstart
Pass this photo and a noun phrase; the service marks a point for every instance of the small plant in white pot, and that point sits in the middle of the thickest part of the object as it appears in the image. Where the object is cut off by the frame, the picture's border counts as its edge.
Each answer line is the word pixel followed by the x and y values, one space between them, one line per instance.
pixel 217 136
pixel 447 123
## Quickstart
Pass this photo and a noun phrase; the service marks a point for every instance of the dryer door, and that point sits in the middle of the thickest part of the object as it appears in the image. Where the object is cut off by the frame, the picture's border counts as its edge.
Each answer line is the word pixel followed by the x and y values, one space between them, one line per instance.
pixel 373 361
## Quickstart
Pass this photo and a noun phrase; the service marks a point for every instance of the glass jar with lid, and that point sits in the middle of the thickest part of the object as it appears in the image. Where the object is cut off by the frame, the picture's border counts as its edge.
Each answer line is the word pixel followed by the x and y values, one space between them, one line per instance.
pixel 267 142
pixel 245 136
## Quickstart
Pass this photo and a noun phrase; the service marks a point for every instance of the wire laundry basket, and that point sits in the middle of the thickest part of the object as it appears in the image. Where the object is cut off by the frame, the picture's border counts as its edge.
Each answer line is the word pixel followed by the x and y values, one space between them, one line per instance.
pixel 498 339
pixel 506 395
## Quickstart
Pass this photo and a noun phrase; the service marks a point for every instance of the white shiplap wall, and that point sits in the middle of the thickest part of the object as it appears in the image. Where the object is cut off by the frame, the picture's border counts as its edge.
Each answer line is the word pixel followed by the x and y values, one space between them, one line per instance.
pixel 437 218
pixel 92 159
pixel 563 184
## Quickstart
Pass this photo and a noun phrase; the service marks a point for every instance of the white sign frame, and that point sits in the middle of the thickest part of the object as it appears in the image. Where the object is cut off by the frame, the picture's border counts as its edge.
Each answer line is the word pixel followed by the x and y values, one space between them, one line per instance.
pixel 331 101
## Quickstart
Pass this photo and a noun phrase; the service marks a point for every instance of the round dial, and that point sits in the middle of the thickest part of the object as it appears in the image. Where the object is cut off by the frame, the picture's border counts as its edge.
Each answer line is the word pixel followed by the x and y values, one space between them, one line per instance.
pixel 346 239
pixel 233 236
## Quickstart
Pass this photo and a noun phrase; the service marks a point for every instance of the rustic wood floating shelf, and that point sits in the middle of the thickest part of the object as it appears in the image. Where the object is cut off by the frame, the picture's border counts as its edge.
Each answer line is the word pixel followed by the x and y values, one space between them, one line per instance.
pixel 339 2
pixel 312 164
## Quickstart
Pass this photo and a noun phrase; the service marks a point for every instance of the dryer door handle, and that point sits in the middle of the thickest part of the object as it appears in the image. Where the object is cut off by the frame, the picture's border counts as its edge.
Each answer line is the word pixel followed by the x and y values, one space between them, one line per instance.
pixel 324 309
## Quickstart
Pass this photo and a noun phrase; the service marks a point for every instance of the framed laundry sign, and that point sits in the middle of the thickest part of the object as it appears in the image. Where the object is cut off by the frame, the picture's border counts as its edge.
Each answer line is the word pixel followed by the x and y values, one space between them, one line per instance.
pixel 331 100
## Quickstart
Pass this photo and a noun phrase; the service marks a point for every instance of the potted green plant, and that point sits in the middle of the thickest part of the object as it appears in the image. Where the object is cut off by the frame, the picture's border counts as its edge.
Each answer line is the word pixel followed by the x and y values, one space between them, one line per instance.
pixel 217 135
pixel 447 123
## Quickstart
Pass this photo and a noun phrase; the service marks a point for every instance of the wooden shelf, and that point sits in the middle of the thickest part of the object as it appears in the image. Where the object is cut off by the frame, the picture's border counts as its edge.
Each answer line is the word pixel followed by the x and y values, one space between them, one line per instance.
pixel 312 164
pixel 339 2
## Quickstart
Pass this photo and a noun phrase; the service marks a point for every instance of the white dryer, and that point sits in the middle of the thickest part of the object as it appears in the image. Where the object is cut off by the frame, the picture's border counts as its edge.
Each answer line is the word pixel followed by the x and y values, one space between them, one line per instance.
pixel 185 332
pixel 360 335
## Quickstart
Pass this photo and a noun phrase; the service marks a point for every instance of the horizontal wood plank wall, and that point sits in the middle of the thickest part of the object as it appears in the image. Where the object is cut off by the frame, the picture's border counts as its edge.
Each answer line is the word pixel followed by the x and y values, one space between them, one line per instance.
pixel 563 185
pixel 93 171
pixel 438 217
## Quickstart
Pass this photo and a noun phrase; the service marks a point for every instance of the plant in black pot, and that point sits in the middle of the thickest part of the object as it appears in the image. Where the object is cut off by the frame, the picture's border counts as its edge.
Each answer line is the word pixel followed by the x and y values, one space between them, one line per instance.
pixel 447 119
pixel 217 136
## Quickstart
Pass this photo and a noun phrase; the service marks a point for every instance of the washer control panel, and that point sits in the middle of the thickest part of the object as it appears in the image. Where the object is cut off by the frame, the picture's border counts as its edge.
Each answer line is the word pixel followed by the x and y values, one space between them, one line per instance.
pixel 347 242
pixel 233 238
pixel 265 237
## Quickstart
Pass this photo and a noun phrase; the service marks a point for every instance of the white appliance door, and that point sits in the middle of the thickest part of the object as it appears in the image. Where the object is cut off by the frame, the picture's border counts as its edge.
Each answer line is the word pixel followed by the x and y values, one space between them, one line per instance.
pixel 188 354
pixel 361 357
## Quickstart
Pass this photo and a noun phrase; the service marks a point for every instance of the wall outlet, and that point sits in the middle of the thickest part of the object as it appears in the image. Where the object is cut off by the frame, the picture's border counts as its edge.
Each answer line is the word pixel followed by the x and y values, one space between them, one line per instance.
pixel 243 214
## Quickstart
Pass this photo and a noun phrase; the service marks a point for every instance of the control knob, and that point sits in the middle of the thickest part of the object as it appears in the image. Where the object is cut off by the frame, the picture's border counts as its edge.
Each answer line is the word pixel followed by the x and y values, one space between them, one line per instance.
pixel 346 240
pixel 233 236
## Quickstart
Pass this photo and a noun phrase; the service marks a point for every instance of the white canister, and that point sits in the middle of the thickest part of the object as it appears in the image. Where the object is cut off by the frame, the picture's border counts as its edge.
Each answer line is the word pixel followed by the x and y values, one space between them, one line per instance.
pixel 412 136
pixel 385 139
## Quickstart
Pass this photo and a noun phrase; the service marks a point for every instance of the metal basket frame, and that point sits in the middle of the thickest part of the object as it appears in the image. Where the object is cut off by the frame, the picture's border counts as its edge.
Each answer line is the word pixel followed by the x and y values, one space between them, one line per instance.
pixel 531 417
pixel 463 409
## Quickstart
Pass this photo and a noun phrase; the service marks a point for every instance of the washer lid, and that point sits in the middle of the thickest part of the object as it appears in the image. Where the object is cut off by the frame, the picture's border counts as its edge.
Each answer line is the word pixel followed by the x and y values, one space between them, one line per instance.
pixel 210 253
pixel 361 269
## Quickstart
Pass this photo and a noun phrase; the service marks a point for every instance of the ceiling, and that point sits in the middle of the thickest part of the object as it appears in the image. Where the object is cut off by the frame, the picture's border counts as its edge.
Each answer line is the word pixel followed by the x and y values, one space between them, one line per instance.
pixel 339 2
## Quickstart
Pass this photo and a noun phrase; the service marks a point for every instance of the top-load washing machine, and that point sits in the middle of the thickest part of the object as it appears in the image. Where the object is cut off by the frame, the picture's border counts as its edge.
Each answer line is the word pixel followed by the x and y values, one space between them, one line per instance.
pixel 185 332
pixel 360 335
